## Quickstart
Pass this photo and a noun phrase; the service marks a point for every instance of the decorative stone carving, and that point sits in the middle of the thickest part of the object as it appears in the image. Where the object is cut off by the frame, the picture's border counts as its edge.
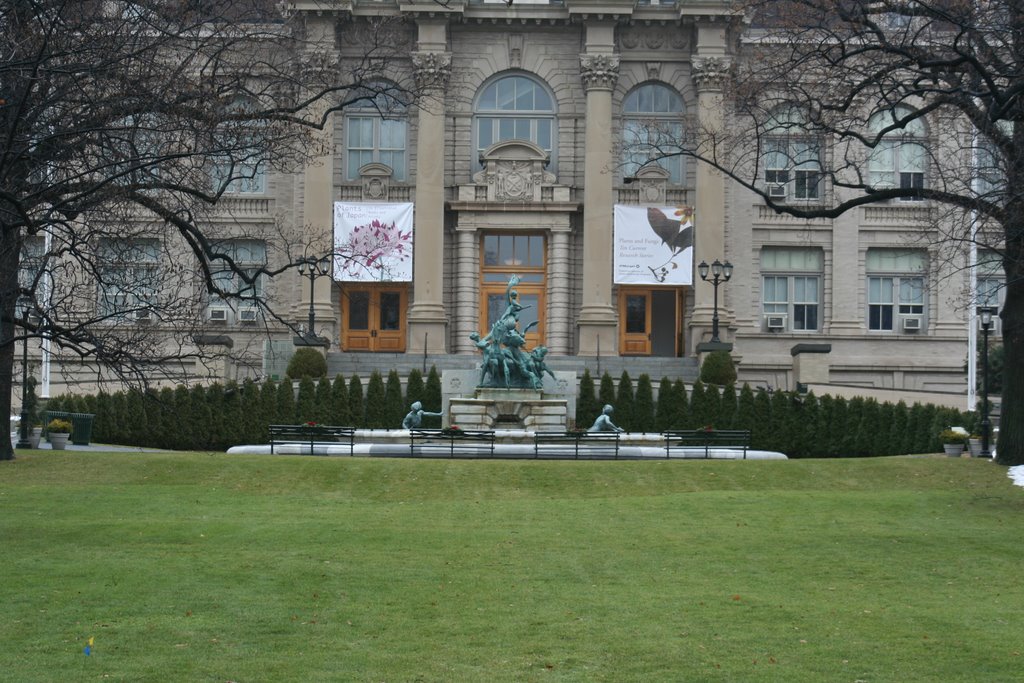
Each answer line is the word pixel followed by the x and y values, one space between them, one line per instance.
pixel 654 71
pixel 599 71
pixel 433 69
pixel 514 171
pixel 316 64
pixel 652 180
pixel 515 50
pixel 710 72
pixel 376 181
pixel 652 38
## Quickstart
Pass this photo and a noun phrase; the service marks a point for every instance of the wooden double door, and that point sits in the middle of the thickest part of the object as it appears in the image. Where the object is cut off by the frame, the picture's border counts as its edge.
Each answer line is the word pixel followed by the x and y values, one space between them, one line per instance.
pixel 374 317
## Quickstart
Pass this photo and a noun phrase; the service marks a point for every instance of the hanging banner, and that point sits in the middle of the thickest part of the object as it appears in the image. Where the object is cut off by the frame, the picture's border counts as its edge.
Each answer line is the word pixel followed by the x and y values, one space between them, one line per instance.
pixel 653 245
pixel 373 242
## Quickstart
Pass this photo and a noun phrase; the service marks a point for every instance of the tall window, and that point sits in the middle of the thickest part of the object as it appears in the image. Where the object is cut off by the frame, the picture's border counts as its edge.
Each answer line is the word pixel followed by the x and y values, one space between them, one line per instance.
pixel 652 127
pixel 240 168
pixel 128 278
pixel 376 132
pixel 991 279
pixel 900 158
pixel 514 108
pixel 896 290
pixel 791 291
pixel 32 252
pixel 249 256
pixel 792 160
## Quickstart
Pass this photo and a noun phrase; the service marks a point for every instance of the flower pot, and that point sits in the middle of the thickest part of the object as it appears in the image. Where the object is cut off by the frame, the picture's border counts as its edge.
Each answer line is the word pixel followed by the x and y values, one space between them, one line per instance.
pixel 34 436
pixel 953 450
pixel 975 447
pixel 58 440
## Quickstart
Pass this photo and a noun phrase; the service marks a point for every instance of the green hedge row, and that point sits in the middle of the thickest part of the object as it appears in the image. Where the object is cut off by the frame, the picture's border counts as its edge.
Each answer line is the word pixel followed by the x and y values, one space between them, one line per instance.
pixel 801 426
pixel 219 416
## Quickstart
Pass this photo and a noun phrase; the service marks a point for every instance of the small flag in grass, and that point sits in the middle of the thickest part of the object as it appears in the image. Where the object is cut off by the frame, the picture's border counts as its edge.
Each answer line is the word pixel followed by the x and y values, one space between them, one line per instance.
pixel 88 647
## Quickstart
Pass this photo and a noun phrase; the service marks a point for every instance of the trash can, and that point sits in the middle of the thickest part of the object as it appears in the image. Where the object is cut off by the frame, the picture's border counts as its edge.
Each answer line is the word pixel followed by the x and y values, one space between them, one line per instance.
pixel 81 425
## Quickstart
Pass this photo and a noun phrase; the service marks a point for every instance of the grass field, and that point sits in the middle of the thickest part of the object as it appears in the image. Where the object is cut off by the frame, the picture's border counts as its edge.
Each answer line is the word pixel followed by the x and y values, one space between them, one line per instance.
pixel 199 567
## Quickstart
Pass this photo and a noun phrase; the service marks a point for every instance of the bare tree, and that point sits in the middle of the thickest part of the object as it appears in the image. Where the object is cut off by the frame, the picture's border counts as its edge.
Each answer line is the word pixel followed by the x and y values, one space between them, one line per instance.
pixel 123 123
pixel 833 98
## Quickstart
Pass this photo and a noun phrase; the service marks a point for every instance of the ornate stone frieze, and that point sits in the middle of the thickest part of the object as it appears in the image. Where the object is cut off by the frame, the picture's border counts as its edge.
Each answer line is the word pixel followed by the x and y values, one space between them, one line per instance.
pixel 316 64
pixel 599 71
pixel 433 69
pixel 653 38
pixel 711 72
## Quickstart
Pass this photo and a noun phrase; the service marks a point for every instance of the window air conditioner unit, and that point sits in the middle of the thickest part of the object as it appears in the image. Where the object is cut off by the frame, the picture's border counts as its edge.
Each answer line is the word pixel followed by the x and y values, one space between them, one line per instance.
pixel 217 314
pixel 775 323
pixel 777 190
pixel 911 324
pixel 247 314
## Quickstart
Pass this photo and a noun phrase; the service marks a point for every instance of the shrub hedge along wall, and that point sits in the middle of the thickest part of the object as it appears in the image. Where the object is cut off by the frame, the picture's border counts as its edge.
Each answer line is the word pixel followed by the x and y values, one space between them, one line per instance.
pixel 801 426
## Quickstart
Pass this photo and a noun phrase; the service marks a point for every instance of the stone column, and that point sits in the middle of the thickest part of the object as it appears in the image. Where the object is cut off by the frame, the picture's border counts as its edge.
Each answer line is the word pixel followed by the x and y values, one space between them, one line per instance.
pixel 710 72
pixel 600 70
pixel 466 289
pixel 557 334
pixel 318 192
pixel 428 323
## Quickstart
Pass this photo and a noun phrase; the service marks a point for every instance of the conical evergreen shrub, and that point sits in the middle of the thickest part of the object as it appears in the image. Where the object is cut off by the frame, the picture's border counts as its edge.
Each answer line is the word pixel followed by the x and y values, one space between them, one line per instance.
pixel 643 405
pixel 745 411
pixel 340 415
pixel 414 389
pixel 623 417
pixel 681 418
pixel 356 406
pixel 586 402
pixel 376 405
pixel 285 403
pixel 323 402
pixel 305 404
pixel 432 400
pixel 394 409
pixel 665 408
pixel 605 395
pixel 727 407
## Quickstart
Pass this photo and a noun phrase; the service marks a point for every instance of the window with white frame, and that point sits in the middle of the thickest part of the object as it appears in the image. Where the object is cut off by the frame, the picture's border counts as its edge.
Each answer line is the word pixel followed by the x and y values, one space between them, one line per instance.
pixel 514 107
pixel 128 278
pixel 989 167
pixel 33 249
pixel 249 257
pixel 652 128
pixel 240 169
pixel 991 280
pixel 901 156
pixel 791 288
pixel 792 159
pixel 375 131
pixel 896 290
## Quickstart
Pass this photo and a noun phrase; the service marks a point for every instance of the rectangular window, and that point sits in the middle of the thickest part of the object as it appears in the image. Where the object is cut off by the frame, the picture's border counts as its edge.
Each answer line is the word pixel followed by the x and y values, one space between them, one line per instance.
pixel 242 173
pixel 375 139
pixel 792 168
pixel 249 256
pixel 128 278
pixel 896 289
pixel 792 290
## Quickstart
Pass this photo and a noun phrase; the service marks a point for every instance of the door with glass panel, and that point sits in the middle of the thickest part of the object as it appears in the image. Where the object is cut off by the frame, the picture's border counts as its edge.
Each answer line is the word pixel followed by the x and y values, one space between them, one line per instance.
pixel 504 255
pixel 649 321
pixel 373 318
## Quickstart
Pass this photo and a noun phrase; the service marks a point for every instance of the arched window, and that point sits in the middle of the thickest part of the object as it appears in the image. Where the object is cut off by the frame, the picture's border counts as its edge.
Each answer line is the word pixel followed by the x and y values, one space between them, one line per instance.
pixel 375 131
pixel 900 158
pixel 514 108
pixel 792 159
pixel 652 127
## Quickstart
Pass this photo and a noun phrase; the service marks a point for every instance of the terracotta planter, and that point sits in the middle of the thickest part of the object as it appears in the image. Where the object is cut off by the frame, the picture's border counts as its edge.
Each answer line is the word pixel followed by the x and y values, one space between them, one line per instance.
pixel 58 441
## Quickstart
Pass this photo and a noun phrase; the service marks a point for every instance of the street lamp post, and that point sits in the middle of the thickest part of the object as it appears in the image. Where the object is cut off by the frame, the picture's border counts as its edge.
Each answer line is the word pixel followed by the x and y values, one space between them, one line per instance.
pixel 313 268
pixel 720 272
pixel 986 314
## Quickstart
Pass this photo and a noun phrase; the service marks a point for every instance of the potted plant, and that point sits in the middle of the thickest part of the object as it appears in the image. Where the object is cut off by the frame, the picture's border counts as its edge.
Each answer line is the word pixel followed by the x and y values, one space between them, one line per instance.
pixel 974 445
pixel 57 433
pixel 35 435
pixel 953 442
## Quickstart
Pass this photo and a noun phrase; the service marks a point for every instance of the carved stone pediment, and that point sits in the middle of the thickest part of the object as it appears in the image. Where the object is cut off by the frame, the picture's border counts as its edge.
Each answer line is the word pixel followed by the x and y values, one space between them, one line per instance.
pixel 514 171
pixel 375 178
pixel 651 181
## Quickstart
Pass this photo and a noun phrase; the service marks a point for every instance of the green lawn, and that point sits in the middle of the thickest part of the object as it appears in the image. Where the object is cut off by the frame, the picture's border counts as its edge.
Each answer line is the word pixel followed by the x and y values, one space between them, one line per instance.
pixel 199 567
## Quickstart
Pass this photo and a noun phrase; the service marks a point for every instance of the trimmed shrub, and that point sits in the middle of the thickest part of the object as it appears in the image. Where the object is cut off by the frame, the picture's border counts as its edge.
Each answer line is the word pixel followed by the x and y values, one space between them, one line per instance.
pixel 727 407
pixel 414 389
pixel 432 399
pixel 605 395
pixel 643 405
pixel 305 404
pixel 718 369
pixel 285 406
pixel 339 415
pixel 356 407
pixel 376 405
pixel 681 414
pixel 306 362
pixel 665 410
pixel 623 416
pixel 394 410
pixel 586 401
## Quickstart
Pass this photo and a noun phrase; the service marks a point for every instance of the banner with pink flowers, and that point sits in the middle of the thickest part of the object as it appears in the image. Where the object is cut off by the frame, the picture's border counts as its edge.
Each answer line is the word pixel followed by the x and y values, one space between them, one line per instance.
pixel 373 242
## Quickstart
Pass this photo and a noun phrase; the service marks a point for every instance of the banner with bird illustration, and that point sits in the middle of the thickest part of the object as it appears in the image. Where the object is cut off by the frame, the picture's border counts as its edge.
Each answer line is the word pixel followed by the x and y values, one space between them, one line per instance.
pixel 653 245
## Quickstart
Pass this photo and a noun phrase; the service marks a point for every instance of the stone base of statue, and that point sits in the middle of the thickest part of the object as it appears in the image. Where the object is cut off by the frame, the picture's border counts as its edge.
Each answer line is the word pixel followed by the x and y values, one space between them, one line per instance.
pixel 471 407
pixel 496 409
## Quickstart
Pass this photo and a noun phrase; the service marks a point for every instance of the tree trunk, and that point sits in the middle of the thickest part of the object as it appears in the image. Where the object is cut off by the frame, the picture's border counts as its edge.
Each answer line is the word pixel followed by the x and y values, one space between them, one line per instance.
pixel 1010 448
pixel 10 251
